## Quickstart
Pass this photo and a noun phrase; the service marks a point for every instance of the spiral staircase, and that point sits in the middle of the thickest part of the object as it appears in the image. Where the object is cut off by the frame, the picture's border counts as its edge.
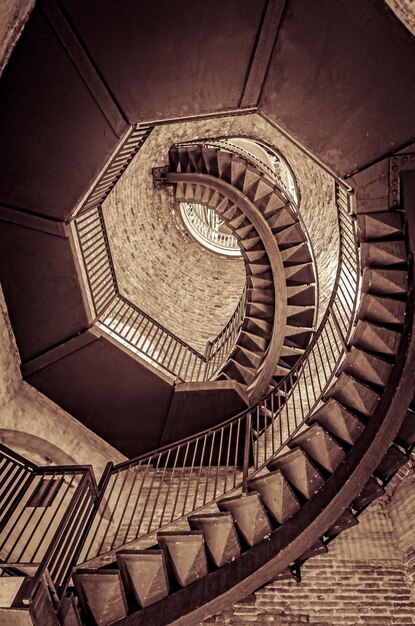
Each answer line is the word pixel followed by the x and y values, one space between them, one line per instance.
pixel 178 533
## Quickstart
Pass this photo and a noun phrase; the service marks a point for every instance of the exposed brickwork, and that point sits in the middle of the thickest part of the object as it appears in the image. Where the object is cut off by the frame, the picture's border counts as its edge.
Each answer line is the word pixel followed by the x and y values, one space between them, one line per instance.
pixel 402 511
pixel 155 257
pixel 405 11
pixel 13 15
pixel 361 581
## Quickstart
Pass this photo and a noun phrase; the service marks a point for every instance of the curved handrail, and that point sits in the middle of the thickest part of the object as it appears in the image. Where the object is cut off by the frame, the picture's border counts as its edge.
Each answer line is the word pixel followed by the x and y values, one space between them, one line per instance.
pixel 224 143
pixel 160 487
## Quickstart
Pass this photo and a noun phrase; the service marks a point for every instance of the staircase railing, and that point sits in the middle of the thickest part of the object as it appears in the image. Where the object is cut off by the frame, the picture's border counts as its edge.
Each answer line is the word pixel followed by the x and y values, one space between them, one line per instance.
pixel 43 513
pixel 134 328
pixel 161 487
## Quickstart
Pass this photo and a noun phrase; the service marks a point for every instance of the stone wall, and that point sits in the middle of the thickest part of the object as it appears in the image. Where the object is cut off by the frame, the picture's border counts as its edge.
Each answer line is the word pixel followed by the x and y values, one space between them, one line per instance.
pixel 13 16
pixel 402 512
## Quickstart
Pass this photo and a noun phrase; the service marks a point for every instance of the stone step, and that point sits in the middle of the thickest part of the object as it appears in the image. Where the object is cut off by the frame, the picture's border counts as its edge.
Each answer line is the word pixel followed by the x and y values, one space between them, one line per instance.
pixel 238 167
pixel 300 472
pixel 266 296
pixel 292 234
pixel 224 160
pixel 210 160
pixel 101 594
pixel 251 341
pixel 247 357
pixel 240 373
pixel 220 535
pixel 281 220
pixel 260 310
pixel 185 555
pixel 338 421
pixel 257 326
pixel 297 337
pixel 319 447
pixel 302 316
pixel 276 494
pixel 250 517
pixel 144 576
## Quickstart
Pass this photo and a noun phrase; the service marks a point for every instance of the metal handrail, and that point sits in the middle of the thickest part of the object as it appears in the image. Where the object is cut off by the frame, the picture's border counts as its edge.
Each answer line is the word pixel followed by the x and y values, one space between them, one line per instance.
pixel 129 324
pixel 161 487
pixel 43 512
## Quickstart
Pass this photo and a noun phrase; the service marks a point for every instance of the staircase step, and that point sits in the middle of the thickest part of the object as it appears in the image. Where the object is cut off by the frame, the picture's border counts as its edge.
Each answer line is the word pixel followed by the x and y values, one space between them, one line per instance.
pixel 250 181
pixel 257 326
pixel 256 269
pixel 224 160
pixel 262 194
pixel 144 576
pixel 292 234
pixel 252 341
pixel 101 594
pixel 370 492
pixel 300 274
pixel 265 296
pixel 247 231
pixel 256 255
pixel 338 421
pixel 195 159
pixel 320 447
pixel 185 554
pixel 391 462
pixel 276 494
pixel 406 434
pixel 258 282
pixel 366 367
pixel 300 316
pixel 237 221
pixel 345 521
pixel 210 160
pixel 301 295
pixel 376 338
pixel 318 548
pixel 238 167
pixel 281 371
pixel 274 203
pixel 250 517
pixel 221 539
pixel 231 212
pixel 378 225
pixel 240 373
pixel 299 471
pixel 247 357
pixel 297 337
pixel 260 310
pixel 296 254
pixel 353 395
pixel 384 282
pixel 281 220
pixel 250 242
pixel 383 253
pixel 381 310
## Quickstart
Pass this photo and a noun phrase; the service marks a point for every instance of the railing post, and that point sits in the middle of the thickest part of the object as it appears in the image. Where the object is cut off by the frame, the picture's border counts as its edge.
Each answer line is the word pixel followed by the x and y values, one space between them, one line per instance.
pixel 247 448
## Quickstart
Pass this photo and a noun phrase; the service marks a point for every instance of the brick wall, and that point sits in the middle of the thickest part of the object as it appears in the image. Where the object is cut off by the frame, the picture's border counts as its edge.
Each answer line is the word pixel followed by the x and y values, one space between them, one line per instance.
pixel 163 270
pixel 361 581
pixel 402 511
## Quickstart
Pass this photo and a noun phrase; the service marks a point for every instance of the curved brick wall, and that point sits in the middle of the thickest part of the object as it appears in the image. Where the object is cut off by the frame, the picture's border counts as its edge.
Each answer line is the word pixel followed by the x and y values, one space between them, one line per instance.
pixel 163 270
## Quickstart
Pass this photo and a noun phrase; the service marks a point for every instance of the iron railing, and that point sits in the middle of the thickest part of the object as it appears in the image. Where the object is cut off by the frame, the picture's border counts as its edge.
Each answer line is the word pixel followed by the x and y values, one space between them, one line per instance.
pixel 204 223
pixel 161 487
pixel 134 328
pixel 42 515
